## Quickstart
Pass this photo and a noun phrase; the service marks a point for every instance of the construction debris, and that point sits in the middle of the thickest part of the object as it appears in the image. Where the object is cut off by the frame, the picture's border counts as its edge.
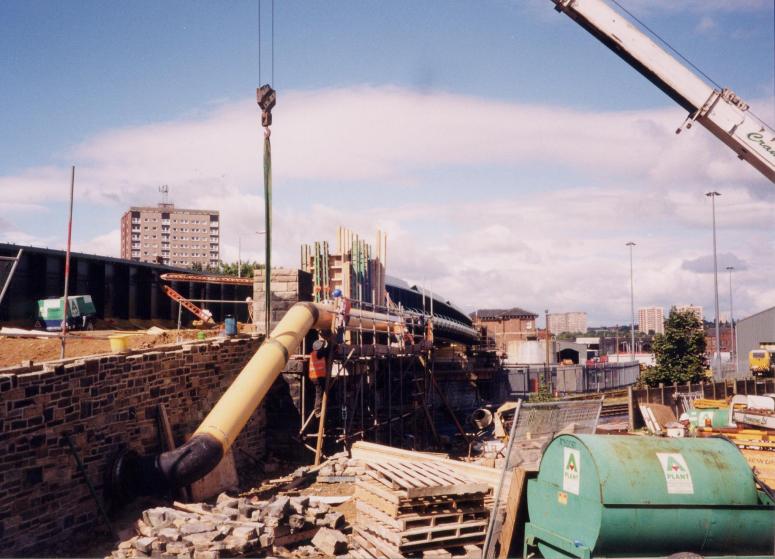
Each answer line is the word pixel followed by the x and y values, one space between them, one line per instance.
pixel 339 469
pixel 234 526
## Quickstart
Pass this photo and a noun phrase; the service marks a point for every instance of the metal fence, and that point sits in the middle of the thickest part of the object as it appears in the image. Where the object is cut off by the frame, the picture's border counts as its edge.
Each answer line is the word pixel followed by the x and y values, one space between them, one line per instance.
pixel 571 379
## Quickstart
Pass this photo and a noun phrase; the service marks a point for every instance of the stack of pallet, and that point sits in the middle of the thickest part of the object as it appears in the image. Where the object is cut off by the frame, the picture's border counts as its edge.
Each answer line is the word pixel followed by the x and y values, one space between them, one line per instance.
pixel 419 508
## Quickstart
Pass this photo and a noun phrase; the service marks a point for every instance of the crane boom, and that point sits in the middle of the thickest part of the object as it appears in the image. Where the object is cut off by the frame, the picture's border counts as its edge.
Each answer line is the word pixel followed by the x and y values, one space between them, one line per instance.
pixel 722 112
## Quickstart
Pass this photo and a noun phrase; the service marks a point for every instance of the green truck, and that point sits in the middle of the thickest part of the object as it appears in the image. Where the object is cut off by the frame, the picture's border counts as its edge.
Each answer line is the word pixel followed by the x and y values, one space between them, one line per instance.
pixel 81 315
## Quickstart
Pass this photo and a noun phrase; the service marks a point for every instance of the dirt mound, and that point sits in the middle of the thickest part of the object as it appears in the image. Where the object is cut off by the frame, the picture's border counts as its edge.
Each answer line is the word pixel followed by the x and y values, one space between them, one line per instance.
pixel 13 351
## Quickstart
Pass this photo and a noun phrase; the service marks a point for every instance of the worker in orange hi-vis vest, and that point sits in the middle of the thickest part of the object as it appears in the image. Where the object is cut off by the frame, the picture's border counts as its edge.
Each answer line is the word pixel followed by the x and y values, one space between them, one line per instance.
pixel 318 370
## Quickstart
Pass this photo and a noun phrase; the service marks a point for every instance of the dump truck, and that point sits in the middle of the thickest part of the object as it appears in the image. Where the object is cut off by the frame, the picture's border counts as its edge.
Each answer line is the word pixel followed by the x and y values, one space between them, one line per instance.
pixel 81 314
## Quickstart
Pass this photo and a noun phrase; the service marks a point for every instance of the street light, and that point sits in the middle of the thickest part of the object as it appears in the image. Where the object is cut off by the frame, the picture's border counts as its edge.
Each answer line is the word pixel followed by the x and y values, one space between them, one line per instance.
pixel 712 196
pixel 733 340
pixel 632 307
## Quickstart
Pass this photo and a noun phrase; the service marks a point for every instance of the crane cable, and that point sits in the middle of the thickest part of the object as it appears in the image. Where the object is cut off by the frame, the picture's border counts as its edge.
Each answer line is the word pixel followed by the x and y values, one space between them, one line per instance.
pixel 674 50
pixel 266 98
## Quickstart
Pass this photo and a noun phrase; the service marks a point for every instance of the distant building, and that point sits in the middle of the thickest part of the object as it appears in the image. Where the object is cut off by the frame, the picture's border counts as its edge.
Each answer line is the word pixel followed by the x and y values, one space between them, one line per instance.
pixel 567 322
pixel 725 336
pixel 693 308
pixel 173 236
pixel 651 319
pixel 502 326
pixel 752 331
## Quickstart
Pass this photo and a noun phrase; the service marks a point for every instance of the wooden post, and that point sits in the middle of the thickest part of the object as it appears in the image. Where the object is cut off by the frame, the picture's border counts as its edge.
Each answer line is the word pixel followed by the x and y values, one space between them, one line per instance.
pixel 516 488
pixel 321 425
pixel 165 429
pixel 630 410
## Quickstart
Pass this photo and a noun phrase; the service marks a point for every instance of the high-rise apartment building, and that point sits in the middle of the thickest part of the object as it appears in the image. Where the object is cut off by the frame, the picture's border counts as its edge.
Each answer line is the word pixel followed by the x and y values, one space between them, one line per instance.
pixel 693 308
pixel 173 236
pixel 651 319
pixel 567 322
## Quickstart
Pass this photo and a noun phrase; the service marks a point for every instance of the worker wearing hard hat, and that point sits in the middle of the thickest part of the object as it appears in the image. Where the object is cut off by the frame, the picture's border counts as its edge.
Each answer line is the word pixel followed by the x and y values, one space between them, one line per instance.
pixel 341 315
pixel 318 371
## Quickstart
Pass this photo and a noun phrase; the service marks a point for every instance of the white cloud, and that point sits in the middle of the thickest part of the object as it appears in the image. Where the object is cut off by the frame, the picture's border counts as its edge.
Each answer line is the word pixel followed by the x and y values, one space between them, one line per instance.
pixel 705 24
pixel 517 241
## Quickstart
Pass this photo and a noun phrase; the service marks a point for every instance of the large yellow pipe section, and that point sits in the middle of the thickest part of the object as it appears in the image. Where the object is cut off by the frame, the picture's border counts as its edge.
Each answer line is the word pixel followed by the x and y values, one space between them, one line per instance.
pixel 227 419
pixel 154 474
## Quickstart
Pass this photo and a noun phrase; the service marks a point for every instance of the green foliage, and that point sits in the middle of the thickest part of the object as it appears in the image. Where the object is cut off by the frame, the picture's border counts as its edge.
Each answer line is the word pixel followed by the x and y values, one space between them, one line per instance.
pixel 196 266
pixel 543 394
pixel 679 352
pixel 230 269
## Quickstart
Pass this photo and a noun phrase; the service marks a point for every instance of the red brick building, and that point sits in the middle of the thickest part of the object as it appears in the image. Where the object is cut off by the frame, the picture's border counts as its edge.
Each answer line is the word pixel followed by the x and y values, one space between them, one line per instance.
pixel 501 326
pixel 725 335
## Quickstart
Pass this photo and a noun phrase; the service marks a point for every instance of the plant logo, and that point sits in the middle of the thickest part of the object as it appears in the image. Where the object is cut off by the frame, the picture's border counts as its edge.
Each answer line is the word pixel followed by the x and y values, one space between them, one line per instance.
pixel 677 475
pixel 571 471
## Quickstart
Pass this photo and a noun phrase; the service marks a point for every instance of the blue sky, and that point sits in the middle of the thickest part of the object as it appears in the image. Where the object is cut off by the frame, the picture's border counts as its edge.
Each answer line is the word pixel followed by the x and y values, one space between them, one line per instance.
pixel 508 154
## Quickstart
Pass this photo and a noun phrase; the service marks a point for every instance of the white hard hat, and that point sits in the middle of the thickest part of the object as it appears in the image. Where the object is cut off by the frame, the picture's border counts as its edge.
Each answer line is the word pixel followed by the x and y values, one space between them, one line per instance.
pixel 684 417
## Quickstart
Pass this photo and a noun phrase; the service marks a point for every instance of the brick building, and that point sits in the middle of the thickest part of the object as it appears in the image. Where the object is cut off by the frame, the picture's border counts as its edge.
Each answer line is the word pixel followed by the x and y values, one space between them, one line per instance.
pixel 501 326
pixel 174 236
pixel 725 335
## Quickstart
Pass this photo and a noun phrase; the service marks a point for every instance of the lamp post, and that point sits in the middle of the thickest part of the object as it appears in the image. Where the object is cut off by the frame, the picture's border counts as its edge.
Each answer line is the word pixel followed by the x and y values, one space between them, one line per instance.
pixel 632 306
pixel 712 195
pixel 733 339
pixel 548 339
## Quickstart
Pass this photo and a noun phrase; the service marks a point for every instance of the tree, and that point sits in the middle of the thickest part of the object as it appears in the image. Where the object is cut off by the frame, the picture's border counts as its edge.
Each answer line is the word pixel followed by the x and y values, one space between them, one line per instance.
pixel 230 269
pixel 679 352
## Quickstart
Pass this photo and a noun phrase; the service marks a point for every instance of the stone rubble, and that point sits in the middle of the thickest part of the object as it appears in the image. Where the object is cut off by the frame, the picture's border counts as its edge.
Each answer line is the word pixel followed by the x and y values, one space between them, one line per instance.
pixel 233 527
pixel 338 467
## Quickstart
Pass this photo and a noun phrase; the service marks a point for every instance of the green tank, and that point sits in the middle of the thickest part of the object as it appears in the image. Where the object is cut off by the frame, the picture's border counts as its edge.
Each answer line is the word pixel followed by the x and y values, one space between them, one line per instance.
pixel 636 496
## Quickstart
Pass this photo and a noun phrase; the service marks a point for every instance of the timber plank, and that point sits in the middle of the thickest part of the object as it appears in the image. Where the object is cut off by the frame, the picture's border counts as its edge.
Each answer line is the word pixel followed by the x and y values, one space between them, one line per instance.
pixel 407 471
pixel 395 474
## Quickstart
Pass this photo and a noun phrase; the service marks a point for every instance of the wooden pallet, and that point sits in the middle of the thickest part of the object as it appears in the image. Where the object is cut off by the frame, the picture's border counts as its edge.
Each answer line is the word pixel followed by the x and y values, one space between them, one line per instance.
pixel 414 549
pixel 378 496
pixel 414 520
pixel 422 479
pixel 412 538
pixel 375 545
pixel 365 547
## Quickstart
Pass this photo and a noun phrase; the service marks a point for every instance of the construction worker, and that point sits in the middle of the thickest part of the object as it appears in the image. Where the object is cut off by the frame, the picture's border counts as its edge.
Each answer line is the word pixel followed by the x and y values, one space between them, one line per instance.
pixel 318 370
pixel 408 338
pixel 342 315
pixel 429 331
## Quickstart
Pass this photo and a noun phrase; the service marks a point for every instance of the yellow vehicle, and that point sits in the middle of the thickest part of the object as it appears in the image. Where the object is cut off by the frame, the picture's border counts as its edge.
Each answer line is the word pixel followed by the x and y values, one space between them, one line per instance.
pixel 761 362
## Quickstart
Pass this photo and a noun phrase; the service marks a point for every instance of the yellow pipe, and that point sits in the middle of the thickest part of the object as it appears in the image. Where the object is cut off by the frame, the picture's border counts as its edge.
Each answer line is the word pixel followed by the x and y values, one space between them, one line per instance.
pixel 229 416
pixel 154 474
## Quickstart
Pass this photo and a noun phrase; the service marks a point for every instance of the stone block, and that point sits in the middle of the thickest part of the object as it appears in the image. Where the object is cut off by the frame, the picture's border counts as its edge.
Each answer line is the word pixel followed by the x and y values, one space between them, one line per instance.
pixel 196 528
pixel 144 544
pixel 331 542
pixel 244 532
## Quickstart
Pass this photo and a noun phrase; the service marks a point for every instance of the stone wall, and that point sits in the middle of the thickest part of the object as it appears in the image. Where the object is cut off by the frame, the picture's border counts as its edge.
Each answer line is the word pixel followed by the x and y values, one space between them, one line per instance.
pixel 104 404
pixel 288 287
